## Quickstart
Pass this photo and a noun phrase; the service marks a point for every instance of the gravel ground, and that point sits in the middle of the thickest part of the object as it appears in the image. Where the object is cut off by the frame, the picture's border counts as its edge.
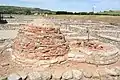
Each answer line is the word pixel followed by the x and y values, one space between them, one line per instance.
pixel 11 67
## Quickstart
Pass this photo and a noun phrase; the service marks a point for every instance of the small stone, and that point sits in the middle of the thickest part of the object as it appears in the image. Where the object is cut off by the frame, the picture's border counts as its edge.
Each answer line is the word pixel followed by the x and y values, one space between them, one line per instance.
pixel 77 74
pixel 57 76
pixel 23 75
pixel 71 55
pixel 46 75
pixel 117 69
pixel 86 78
pixel 111 72
pixel 96 75
pixel 81 60
pixel 67 75
pixel 35 76
pixel 87 74
pixel 116 78
pixel 80 55
pixel 106 77
pixel 5 64
pixel 9 49
pixel 53 61
pixel 14 76
pixel 46 66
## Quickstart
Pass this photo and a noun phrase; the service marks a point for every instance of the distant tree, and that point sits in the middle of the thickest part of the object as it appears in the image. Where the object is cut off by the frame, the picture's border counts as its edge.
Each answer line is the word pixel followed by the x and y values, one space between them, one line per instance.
pixel 76 13
pixel 97 14
pixel 105 11
pixel 38 9
pixel 83 13
pixel 27 12
pixel 110 11
pixel 11 11
pixel 90 13
pixel 61 12
pixel 70 13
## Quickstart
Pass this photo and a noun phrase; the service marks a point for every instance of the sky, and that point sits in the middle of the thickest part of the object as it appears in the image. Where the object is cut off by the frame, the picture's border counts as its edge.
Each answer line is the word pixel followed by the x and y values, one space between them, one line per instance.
pixel 66 5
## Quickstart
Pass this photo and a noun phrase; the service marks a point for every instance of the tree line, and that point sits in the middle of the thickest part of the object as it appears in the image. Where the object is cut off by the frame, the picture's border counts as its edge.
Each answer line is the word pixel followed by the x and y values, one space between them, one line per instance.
pixel 31 11
pixel 86 13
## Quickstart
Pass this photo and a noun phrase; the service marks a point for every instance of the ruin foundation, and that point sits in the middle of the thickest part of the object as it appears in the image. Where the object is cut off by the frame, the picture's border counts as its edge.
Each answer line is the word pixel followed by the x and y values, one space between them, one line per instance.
pixel 40 45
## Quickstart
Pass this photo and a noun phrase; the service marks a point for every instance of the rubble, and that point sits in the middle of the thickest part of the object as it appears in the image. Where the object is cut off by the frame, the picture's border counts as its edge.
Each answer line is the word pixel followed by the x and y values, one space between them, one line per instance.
pixel 40 43
pixel 35 76
pixel 94 52
pixel 87 74
pixel 70 74
pixel 67 75
pixel 43 42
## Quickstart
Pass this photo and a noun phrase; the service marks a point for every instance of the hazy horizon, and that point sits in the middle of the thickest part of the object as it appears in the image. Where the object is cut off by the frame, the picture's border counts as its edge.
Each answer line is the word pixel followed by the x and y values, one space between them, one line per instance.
pixel 66 5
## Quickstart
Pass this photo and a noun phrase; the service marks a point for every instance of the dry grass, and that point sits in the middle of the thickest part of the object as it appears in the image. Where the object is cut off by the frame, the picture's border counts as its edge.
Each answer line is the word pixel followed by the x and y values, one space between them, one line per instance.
pixel 109 19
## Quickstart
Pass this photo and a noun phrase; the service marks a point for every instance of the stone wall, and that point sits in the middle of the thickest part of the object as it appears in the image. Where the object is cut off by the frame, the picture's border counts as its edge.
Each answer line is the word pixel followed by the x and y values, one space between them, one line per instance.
pixel 40 44
pixel 71 74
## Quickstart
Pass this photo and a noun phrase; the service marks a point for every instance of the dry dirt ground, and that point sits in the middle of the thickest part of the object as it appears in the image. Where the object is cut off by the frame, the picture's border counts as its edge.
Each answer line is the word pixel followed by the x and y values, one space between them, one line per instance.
pixel 7 66
pixel 10 67
pixel 115 20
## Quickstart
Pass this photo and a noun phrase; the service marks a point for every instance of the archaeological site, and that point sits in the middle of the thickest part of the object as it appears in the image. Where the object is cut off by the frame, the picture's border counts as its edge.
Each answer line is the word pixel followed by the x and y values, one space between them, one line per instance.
pixel 48 48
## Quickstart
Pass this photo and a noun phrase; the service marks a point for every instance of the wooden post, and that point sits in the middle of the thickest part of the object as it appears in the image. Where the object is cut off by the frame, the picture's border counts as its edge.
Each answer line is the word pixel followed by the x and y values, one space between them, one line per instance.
pixel 88 34
pixel 0 16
